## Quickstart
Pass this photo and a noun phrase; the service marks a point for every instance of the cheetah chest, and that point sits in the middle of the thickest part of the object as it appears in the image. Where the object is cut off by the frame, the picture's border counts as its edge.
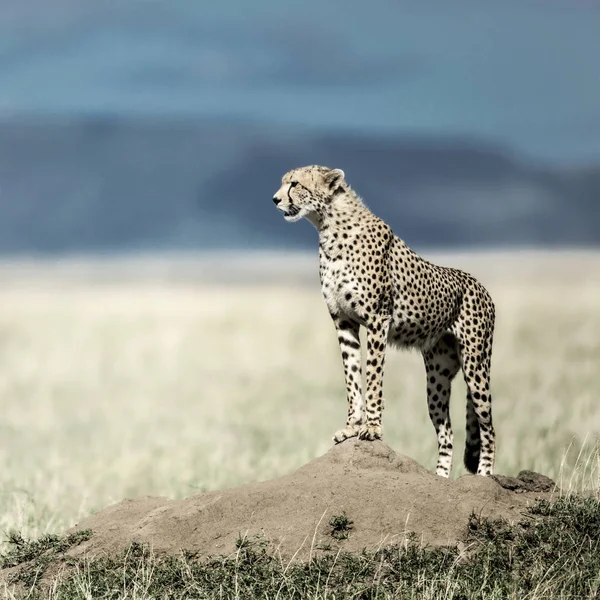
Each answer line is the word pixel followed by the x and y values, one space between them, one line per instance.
pixel 340 289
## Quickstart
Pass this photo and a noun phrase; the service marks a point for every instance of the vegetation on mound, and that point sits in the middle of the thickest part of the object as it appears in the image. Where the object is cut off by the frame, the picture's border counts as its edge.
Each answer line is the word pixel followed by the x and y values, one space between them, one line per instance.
pixel 552 552
pixel 37 555
pixel 340 526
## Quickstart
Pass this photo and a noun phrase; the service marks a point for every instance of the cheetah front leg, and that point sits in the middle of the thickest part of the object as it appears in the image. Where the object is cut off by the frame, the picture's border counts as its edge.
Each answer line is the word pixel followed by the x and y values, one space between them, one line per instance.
pixel 348 337
pixel 377 332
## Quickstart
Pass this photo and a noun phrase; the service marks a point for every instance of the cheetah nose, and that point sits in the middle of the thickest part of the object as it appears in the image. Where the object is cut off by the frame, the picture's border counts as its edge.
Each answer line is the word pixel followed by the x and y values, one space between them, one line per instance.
pixel 276 200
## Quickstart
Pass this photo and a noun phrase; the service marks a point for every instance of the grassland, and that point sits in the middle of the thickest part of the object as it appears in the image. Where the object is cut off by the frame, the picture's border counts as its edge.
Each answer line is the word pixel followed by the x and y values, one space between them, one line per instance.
pixel 157 381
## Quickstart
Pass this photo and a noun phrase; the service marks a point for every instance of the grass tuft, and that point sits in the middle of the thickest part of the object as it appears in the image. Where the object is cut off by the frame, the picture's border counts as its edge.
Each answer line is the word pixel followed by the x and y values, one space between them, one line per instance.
pixel 341 526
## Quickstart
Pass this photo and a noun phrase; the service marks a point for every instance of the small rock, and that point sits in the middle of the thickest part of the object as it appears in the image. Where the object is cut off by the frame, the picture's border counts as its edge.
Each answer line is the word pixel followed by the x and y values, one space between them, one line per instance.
pixel 526 481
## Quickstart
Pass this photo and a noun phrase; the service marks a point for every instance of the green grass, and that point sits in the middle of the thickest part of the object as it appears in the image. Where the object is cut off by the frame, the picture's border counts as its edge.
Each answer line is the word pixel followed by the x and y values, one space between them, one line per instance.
pixel 553 552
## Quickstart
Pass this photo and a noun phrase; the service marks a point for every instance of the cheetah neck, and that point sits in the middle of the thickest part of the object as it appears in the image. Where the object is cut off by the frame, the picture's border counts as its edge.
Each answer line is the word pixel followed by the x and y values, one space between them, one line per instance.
pixel 345 211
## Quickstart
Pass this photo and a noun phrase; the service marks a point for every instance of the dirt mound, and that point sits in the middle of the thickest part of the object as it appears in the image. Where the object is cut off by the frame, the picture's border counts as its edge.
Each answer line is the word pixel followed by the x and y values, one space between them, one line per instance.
pixel 358 495
pixel 383 494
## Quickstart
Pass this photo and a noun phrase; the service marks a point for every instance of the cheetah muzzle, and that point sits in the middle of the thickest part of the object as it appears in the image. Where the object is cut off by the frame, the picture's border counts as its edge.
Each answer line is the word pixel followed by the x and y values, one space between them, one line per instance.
pixel 292 212
pixel 370 278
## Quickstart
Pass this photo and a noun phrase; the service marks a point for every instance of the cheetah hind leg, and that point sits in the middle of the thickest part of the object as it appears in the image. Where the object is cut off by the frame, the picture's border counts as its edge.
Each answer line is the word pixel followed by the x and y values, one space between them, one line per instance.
pixel 480 443
pixel 442 363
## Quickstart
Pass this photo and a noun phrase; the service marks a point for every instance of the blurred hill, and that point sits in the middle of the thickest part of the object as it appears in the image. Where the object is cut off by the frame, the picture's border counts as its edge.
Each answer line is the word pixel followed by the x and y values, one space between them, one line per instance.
pixel 146 125
pixel 111 184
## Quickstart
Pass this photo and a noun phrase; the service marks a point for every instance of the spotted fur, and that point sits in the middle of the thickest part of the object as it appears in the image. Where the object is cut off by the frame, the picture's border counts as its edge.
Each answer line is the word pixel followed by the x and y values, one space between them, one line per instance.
pixel 371 278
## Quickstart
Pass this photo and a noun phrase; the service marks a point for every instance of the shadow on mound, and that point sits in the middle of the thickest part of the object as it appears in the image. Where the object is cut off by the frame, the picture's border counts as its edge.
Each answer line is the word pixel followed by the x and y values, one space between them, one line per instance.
pixel 376 495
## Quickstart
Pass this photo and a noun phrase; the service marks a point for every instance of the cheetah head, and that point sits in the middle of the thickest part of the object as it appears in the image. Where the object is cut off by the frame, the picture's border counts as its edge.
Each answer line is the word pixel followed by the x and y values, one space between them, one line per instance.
pixel 306 192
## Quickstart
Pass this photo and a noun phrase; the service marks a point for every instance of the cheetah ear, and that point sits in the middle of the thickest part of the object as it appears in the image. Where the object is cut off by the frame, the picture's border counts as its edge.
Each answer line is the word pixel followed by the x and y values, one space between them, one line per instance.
pixel 334 178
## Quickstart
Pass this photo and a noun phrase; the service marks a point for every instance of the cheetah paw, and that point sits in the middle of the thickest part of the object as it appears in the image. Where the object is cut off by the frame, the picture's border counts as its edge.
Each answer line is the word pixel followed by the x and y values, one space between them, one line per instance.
pixel 370 432
pixel 348 432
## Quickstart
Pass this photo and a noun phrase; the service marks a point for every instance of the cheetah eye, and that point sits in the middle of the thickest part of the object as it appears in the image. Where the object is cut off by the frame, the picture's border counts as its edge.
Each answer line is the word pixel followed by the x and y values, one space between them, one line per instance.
pixel 293 184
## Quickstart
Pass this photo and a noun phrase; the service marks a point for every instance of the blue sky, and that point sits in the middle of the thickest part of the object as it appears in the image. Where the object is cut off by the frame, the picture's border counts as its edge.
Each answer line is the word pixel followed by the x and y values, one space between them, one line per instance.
pixel 522 74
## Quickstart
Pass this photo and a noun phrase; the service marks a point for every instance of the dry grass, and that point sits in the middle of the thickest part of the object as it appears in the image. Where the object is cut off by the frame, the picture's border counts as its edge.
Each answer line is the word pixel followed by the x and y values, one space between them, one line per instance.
pixel 136 387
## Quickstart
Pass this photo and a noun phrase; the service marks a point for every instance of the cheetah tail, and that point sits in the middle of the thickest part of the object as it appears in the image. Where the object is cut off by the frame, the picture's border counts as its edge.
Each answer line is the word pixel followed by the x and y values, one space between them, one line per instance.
pixel 473 441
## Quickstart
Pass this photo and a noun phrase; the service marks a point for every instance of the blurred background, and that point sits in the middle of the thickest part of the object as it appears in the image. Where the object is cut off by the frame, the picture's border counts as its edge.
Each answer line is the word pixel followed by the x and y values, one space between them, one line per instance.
pixel 146 126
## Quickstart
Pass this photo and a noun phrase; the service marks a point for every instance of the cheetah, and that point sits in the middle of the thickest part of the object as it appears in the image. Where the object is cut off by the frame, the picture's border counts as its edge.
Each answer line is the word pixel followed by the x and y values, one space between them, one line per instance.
pixel 371 278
